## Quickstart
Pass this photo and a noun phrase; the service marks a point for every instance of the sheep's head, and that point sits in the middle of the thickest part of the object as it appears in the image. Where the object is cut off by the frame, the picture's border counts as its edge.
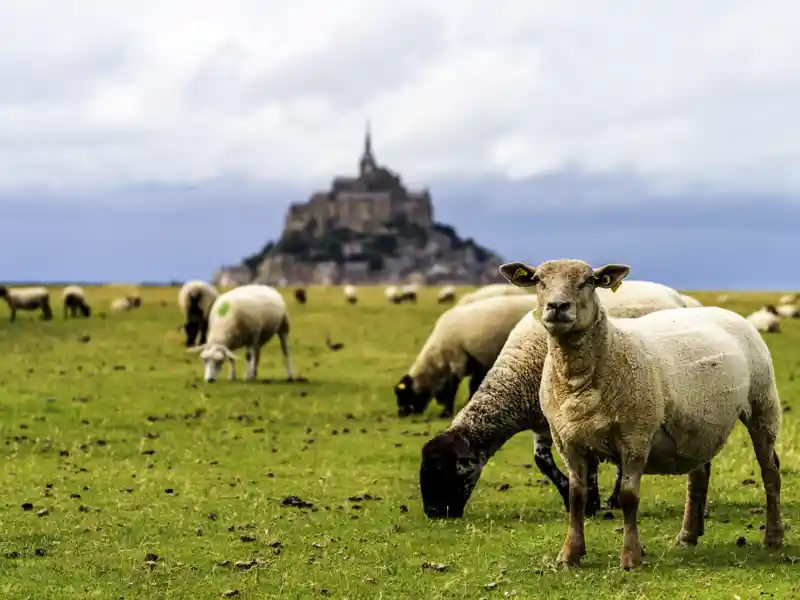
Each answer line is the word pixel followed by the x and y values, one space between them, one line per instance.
pixel 770 308
pixel 3 291
pixel 410 400
pixel 300 295
pixel 214 356
pixel 565 290
pixel 448 474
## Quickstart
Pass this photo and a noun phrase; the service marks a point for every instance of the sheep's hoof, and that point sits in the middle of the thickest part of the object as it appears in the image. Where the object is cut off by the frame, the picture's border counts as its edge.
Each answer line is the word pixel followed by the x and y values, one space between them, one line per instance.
pixel 686 539
pixel 630 558
pixel 570 555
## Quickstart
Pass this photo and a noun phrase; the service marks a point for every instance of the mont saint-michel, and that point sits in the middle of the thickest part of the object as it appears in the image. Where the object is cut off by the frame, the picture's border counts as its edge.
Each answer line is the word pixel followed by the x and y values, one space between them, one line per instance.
pixel 367 228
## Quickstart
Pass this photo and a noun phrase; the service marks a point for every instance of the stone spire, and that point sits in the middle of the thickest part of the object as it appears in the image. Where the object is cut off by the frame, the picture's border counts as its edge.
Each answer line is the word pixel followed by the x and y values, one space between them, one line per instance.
pixel 367 163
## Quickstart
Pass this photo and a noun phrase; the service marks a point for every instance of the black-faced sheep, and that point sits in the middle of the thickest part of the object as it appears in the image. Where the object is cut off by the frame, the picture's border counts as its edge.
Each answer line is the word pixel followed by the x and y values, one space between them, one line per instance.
pixel 245 317
pixel 126 303
pixel 447 295
pixel 659 395
pixel 392 294
pixel 75 302
pixel 408 293
pixel 766 319
pixel 301 295
pixel 350 294
pixel 31 298
pixel 195 299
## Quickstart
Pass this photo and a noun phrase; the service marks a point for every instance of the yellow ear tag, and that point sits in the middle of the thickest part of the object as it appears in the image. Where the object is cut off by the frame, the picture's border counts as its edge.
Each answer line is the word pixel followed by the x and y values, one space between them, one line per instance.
pixel 401 386
pixel 615 287
pixel 520 272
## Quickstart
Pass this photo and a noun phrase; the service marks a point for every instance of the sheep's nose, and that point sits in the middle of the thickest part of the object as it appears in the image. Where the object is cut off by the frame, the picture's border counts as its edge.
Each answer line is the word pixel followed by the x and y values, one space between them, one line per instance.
pixel 558 305
pixel 211 379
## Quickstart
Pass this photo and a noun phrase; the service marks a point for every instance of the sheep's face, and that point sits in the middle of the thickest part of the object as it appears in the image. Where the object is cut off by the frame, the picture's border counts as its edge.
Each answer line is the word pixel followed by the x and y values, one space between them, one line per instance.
pixel 214 356
pixel 410 401
pixel 448 474
pixel 565 291
pixel 3 291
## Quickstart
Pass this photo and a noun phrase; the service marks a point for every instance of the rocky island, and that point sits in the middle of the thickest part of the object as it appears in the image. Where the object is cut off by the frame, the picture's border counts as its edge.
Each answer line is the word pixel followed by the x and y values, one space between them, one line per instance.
pixel 365 229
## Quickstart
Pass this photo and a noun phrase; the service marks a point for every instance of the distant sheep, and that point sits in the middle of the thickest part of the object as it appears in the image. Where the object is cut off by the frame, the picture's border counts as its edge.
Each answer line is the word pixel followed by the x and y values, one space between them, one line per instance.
pixel 788 311
pixel 126 303
pixel 788 299
pixel 723 298
pixel 447 295
pixel 392 294
pixel 300 295
pixel 350 294
pixel 408 293
pixel 31 298
pixel 766 319
pixel 195 299
pixel 245 317
pixel 660 394
pixel 691 302
pixel 75 301
pixel 488 291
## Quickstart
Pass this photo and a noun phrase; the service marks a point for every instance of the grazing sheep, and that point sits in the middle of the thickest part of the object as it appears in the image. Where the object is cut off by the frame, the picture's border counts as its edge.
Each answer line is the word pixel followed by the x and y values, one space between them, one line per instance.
pixel 75 301
pixel 126 303
pixel 351 294
pixel 31 298
pixel 723 298
pixel 658 395
pixel 507 402
pixel 766 319
pixel 300 295
pixel 691 302
pixel 447 295
pixel 465 341
pixel 788 311
pixel 392 294
pixel 247 316
pixel 488 291
pixel 408 293
pixel 788 299
pixel 195 299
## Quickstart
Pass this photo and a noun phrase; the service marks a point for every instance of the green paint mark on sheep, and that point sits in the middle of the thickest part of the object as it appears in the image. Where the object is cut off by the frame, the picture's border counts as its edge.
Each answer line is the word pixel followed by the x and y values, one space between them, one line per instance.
pixel 223 309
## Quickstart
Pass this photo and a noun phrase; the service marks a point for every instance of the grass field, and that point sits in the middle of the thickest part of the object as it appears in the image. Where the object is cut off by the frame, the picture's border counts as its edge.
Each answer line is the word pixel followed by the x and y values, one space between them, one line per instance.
pixel 116 450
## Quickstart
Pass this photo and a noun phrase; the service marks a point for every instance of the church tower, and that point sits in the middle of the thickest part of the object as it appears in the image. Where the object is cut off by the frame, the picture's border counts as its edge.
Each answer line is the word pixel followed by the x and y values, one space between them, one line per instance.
pixel 367 164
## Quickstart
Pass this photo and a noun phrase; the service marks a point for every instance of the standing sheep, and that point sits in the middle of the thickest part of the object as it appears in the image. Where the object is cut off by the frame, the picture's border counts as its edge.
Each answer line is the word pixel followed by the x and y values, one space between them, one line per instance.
pixel 507 402
pixel 788 311
pixel 195 299
pixel 31 298
pixel 300 295
pixel 488 291
pixel 392 294
pixel 659 395
pixel 350 294
pixel 74 301
pixel 408 293
pixel 766 319
pixel 247 316
pixel 447 295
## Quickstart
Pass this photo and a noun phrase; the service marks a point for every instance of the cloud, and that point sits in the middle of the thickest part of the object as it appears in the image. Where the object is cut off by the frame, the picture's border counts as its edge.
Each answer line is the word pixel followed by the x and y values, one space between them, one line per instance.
pixel 98 95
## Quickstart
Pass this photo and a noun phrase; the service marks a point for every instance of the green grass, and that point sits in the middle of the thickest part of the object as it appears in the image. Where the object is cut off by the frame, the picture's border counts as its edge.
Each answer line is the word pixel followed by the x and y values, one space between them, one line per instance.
pixel 96 433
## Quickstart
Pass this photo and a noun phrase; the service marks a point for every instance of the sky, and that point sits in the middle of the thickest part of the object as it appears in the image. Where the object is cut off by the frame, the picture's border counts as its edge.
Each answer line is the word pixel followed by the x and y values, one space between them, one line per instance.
pixel 161 140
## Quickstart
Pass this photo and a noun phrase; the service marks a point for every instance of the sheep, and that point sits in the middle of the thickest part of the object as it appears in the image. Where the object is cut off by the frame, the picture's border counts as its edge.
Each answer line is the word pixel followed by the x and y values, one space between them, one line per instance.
pixel 447 295
pixel 392 294
pixel 300 295
pixel 507 402
pixel 126 303
pixel 74 301
pixel 690 302
pixel 195 299
pixel 723 298
pixel 658 395
pixel 350 294
pixel 465 341
pixel 788 311
pixel 766 319
pixel 408 293
pixel 488 291
pixel 30 298
pixel 788 299
pixel 247 316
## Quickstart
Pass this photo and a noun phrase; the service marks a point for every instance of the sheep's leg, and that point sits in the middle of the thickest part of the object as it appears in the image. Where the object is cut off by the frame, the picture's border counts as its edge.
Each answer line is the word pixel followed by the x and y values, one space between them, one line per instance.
pixel 478 375
pixel 447 397
pixel 764 445
pixel 696 494
pixel 574 543
pixel 203 332
pixel 543 457
pixel 593 488
pixel 232 363
pixel 287 355
pixel 613 499
pixel 13 315
pixel 66 308
pixel 253 357
pixel 46 311
pixel 633 462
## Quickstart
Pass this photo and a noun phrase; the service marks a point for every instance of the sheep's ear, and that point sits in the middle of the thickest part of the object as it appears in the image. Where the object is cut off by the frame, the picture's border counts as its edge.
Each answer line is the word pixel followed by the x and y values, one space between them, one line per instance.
pixel 196 349
pixel 230 354
pixel 519 274
pixel 611 276
pixel 461 446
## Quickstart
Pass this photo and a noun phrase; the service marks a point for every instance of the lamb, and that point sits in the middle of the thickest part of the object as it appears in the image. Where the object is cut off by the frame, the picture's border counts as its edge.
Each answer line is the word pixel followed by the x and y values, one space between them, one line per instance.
pixel 75 301
pixel 766 319
pixel 350 294
pixel 30 298
pixel 247 316
pixel 658 395
pixel 488 291
pixel 300 295
pixel 788 299
pixel 447 295
pixel 408 293
pixel 507 402
pixel 788 311
pixel 195 299
pixel 126 303
pixel 691 302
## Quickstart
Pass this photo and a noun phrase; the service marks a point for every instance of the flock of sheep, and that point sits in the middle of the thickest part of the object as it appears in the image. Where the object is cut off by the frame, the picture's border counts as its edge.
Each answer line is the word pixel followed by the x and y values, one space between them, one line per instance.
pixel 604 368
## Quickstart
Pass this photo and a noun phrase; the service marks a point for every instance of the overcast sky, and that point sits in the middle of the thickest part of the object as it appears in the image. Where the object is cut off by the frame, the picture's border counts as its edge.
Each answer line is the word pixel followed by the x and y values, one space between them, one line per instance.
pixel 680 96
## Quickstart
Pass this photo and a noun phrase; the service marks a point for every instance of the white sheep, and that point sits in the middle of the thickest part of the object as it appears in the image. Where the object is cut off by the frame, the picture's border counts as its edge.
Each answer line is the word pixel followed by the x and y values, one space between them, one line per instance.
pixel 507 402
pixel 75 300
pixel 408 293
pixel 392 294
pixel 126 303
pixel 788 299
pixel 659 395
pixel 766 319
pixel 195 299
pixel 788 311
pixel 350 294
pixel 30 298
pixel 489 291
pixel 247 316
pixel 691 302
pixel 446 295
